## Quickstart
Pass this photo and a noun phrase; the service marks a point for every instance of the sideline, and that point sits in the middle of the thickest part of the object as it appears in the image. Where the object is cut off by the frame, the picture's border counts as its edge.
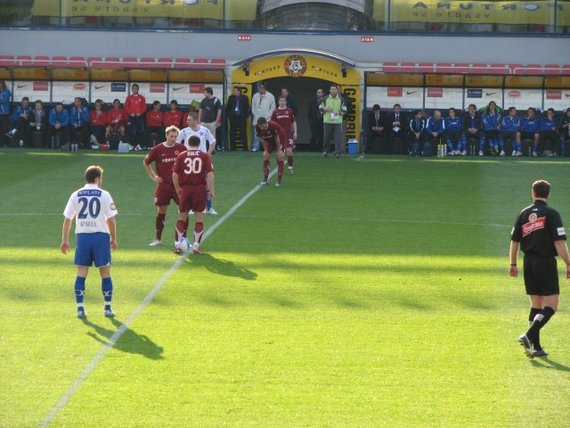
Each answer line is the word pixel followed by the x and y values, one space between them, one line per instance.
pixel 140 308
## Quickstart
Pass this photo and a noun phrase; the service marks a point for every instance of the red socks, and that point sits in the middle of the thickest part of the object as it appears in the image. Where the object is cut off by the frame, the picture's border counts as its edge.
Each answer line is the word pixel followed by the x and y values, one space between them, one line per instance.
pixel 160 225
pixel 265 170
pixel 198 231
pixel 279 170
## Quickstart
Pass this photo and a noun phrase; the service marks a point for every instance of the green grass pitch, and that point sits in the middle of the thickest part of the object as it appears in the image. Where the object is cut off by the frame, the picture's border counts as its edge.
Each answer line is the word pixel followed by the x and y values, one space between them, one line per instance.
pixel 366 292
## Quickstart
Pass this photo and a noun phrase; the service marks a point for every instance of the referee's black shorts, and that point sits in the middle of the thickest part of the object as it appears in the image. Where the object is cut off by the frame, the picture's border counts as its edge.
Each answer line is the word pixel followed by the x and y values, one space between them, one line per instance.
pixel 540 275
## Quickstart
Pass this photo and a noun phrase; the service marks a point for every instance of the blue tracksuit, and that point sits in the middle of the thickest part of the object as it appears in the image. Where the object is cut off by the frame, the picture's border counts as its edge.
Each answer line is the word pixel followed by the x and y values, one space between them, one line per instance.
pixel 530 125
pixel 547 124
pixel 510 125
pixel 453 130
pixel 5 96
pixel 61 117
pixel 491 122
pixel 79 116
pixel 18 111
pixel 433 125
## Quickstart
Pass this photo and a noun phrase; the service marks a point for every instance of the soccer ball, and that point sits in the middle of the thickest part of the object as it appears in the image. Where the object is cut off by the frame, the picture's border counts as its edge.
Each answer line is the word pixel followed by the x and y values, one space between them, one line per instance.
pixel 184 245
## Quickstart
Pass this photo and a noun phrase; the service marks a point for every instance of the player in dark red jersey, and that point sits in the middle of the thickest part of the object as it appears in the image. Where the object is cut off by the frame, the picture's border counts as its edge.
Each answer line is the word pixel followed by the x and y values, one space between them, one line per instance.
pixel 285 117
pixel 163 155
pixel 193 176
pixel 272 137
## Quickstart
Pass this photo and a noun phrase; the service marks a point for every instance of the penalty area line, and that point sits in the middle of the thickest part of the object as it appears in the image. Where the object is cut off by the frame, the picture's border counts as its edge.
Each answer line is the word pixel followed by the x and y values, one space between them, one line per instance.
pixel 70 392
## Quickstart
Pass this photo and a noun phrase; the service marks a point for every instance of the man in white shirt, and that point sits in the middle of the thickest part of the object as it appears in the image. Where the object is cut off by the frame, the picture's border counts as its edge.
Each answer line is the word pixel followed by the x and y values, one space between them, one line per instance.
pixel 262 105
pixel 94 212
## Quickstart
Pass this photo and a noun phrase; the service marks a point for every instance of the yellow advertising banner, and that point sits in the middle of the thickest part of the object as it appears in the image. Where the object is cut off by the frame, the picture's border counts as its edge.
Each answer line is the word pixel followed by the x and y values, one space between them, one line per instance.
pixel 197 9
pixel 474 11
pixel 296 66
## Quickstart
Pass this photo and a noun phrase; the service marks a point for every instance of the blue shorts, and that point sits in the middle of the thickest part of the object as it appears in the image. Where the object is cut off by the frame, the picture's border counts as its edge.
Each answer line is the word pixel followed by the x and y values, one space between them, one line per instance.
pixel 93 248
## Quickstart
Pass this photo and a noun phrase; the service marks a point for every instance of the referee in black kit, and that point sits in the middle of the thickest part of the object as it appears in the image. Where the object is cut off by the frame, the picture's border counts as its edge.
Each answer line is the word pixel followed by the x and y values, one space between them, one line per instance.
pixel 538 229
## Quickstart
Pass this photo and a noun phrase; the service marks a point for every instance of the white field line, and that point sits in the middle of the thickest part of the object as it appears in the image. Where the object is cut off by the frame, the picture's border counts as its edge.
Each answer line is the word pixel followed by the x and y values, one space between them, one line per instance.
pixel 141 307
pixel 385 220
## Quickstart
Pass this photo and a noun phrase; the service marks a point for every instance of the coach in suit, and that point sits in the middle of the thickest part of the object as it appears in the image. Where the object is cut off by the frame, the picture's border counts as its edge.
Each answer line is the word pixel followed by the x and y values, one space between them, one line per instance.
pixel 376 131
pixel 396 128
pixel 237 111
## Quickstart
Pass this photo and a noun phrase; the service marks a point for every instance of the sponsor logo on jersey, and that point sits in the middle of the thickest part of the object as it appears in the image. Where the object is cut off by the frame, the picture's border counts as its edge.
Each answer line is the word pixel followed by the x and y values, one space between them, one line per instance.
pixel 295 65
pixel 534 223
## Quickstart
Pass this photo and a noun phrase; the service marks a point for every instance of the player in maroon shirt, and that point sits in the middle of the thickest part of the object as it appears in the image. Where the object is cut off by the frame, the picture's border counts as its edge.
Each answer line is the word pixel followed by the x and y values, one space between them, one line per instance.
pixel 163 155
pixel 272 137
pixel 193 176
pixel 285 117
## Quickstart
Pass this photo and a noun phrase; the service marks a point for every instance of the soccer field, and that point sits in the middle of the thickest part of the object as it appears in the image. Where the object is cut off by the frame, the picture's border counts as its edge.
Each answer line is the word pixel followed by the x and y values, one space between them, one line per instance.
pixel 366 292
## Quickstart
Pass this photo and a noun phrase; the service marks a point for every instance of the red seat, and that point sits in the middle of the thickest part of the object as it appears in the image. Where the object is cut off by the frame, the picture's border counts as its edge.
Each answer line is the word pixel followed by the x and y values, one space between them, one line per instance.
pixel 480 68
pixel 41 61
pixel 516 68
pixel 111 62
pixel 443 67
pixel 165 62
pixel 200 63
pixel 7 61
pixel 552 69
pixel 148 62
pixel 390 67
pixel 77 61
pixel 566 69
pixel 218 63
pixel 25 60
pixel 182 63
pixel 461 68
pixel 426 67
pixel 533 69
pixel 130 62
pixel 498 69
pixel 94 61
pixel 59 61
pixel 408 67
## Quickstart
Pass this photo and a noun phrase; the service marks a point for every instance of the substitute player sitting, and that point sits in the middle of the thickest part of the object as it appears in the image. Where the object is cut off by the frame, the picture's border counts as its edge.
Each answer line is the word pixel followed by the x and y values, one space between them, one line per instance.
pixel 272 137
pixel 94 212
pixel 285 117
pixel 193 176
pixel 163 155
pixel 207 144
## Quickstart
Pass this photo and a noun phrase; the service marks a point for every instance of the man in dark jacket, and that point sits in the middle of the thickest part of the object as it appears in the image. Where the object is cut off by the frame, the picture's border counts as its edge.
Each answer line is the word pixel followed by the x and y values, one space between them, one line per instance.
pixel 237 111
pixel 396 128
pixel 315 116
pixel 376 135
pixel 472 127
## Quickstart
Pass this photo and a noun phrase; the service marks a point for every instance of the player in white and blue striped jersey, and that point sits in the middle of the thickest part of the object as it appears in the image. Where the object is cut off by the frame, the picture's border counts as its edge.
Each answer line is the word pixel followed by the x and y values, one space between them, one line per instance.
pixel 96 231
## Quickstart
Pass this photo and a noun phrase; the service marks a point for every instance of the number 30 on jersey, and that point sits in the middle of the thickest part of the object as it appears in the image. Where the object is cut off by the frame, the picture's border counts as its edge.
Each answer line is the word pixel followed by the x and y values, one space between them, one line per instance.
pixel 193 166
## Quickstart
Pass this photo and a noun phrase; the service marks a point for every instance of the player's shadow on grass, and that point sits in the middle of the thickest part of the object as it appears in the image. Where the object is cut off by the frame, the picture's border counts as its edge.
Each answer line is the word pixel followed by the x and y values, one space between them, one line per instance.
pixel 220 266
pixel 547 363
pixel 129 342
